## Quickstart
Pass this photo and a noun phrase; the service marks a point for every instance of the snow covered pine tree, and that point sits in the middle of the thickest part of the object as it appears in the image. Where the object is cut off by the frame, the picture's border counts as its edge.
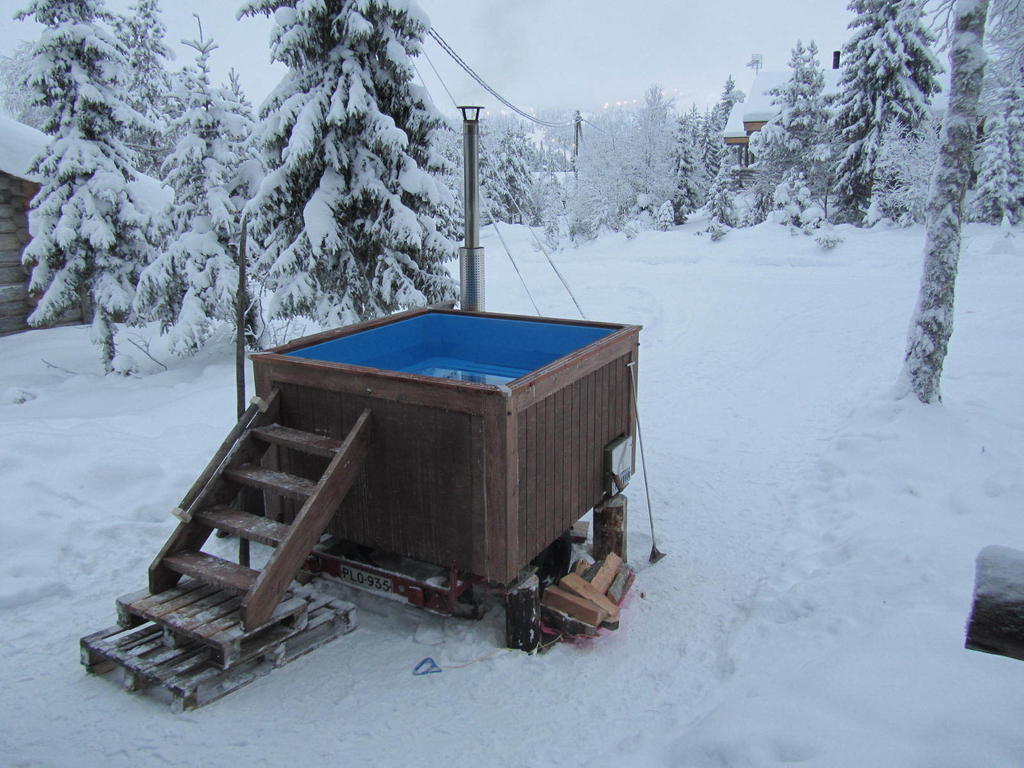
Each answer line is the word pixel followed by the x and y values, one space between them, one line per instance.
pixel 142 34
pixel 89 235
pixel 889 76
pixel 192 285
pixel 995 200
pixel 348 214
pixel 688 196
pixel 794 149
pixel 506 178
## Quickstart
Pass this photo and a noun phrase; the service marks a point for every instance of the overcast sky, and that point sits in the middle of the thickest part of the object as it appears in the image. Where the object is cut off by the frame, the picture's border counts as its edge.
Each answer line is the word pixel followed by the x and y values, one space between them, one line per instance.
pixel 546 53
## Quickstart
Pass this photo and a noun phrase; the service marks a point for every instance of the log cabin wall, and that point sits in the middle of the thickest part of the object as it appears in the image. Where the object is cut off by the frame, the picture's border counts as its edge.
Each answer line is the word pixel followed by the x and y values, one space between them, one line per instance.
pixel 15 303
pixel 15 195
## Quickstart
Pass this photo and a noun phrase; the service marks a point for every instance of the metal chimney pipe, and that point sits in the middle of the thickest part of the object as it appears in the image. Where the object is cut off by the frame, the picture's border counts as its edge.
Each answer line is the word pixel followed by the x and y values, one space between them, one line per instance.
pixel 471 255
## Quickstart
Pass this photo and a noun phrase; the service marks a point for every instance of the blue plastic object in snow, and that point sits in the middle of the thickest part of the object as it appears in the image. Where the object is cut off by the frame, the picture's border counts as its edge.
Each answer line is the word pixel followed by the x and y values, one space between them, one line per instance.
pixel 486 350
pixel 426 667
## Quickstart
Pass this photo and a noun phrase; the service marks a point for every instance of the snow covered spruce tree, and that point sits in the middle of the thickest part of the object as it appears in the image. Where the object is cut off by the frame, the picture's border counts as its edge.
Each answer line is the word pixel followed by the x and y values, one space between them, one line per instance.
pixel 712 132
pixel 721 206
pixel 996 198
pixel 889 76
pixel 349 212
pixel 191 286
pixel 141 34
pixel 712 149
pixel 506 178
pixel 89 233
pixel 17 97
pixel 794 148
pixel 689 169
pixel 932 322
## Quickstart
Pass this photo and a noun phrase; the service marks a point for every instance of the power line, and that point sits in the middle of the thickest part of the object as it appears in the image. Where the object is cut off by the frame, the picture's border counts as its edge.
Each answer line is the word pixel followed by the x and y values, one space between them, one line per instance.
pixel 470 71
pixel 438 75
pixel 565 283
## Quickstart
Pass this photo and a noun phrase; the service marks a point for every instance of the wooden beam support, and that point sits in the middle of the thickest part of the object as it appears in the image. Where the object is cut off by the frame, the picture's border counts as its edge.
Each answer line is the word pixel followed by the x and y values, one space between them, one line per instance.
pixel 610 527
pixel 522 615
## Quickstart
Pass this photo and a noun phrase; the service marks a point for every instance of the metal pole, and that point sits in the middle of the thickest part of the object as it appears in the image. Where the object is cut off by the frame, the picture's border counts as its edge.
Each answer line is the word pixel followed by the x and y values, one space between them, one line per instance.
pixel 471 255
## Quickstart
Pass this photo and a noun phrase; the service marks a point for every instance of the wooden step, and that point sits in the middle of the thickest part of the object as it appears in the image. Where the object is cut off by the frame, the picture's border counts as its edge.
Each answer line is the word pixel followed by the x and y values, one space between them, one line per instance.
pixel 212 570
pixel 296 439
pixel 244 525
pixel 281 483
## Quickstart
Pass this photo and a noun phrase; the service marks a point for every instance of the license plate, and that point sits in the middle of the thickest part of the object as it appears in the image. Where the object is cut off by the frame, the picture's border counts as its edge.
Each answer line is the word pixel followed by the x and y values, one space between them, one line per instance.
pixel 365 579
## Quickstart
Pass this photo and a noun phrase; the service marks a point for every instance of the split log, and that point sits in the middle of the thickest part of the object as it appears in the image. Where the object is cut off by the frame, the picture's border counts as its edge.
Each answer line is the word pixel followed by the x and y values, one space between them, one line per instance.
pixel 565 623
pixel 577 607
pixel 610 527
pixel 522 615
pixel 581 566
pixel 617 591
pixel 996 624
pixel 580 588
pixel 606 573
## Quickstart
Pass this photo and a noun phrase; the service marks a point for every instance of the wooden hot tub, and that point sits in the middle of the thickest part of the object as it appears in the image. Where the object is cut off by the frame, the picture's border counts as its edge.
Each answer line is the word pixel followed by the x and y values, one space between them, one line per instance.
pixel 488 430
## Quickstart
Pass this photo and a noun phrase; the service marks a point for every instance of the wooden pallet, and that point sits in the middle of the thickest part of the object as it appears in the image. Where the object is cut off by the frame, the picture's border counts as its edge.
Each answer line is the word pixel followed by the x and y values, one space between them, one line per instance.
pixel 191 671
pixel 203 613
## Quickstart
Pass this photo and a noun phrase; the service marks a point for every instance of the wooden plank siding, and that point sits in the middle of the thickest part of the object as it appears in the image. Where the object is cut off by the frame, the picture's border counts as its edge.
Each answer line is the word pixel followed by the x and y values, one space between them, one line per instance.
pixel 477 476
pixel 561 452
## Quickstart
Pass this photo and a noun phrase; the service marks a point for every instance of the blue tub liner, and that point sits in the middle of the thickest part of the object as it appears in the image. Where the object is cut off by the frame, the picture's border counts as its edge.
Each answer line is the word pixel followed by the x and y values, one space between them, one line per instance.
pixel 487 350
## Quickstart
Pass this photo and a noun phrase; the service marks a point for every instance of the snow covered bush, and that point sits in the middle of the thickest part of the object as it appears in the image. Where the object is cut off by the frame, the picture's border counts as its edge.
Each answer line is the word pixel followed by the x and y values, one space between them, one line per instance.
pixel 665 217
pixel 351 215
pixel 721 207
pixel 903 174
pixel 828 240
pixel 795 206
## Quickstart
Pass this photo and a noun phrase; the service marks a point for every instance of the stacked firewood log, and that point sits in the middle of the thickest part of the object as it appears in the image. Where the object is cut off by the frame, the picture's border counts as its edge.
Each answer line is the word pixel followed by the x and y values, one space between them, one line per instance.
pixel 588 597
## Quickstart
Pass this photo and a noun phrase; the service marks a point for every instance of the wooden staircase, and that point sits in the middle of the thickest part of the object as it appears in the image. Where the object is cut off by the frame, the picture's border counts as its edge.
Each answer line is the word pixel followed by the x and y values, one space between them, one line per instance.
pixel 207 625
pixel 207 506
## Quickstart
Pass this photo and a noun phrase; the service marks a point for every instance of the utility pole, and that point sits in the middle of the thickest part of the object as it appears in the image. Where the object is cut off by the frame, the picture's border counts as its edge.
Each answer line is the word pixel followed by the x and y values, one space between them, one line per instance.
pixel 577 137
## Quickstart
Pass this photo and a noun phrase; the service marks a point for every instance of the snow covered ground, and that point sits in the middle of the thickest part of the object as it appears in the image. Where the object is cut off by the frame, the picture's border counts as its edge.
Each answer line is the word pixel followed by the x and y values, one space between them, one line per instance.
pixel 821 536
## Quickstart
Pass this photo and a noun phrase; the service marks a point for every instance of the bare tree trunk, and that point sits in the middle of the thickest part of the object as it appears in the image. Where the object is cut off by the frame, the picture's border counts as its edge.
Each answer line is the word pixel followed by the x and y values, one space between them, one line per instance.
pixel 932 324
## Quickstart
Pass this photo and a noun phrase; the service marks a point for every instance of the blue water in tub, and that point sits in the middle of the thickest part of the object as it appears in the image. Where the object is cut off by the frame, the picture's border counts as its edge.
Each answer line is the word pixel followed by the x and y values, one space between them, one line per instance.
pixel 487 350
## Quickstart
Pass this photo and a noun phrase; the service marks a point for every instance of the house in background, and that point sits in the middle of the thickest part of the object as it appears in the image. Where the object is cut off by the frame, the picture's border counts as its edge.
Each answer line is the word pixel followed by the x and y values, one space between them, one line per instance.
pixel 754 112
pixel 19 146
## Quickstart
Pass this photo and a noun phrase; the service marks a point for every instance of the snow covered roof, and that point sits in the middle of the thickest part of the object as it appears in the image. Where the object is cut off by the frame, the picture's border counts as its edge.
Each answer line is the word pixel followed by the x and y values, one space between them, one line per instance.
pixel 757 107
pixel 19 146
